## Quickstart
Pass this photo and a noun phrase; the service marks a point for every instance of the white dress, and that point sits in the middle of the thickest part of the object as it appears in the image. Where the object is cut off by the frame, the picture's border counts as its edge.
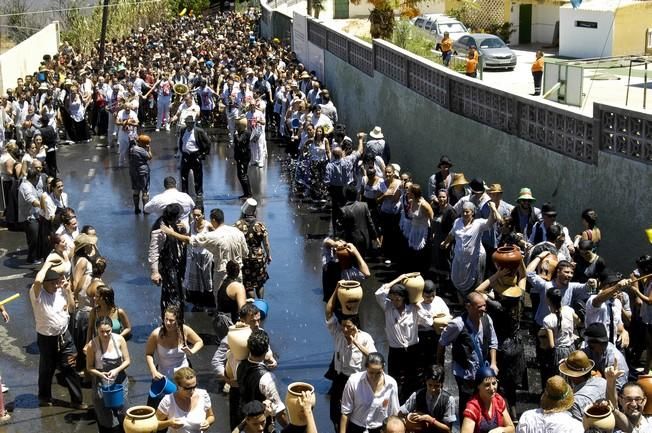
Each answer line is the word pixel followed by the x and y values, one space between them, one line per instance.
pixel 468 255
pixel 192 419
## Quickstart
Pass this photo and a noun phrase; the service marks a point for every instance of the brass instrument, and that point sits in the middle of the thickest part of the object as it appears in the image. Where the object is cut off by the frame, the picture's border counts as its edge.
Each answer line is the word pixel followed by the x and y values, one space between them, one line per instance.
pixel 181 89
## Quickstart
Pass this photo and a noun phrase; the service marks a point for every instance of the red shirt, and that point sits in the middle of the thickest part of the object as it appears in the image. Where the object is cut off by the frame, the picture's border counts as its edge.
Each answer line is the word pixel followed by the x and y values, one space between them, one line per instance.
pixel 476 412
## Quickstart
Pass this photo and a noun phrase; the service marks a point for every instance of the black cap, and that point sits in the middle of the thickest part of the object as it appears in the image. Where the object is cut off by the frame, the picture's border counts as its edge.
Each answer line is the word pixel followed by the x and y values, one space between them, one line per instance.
pixel 596 333
pixel 52 275
pixel 548 209
pixel 444 160
pixel 477 185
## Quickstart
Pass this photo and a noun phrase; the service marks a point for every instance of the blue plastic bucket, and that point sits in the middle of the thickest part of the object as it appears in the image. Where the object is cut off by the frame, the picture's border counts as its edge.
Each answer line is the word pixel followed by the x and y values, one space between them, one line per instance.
pixel 162 387
pixel 295 123
pixel 263 306
pixel 113 395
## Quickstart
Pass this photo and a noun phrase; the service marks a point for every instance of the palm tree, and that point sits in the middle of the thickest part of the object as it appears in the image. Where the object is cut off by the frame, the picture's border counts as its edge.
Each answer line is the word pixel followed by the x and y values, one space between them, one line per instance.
pixel 382 16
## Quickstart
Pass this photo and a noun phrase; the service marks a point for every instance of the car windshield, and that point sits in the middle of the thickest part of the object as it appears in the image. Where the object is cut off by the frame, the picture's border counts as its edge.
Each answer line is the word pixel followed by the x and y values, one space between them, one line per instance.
pixel 491 43
pixel 451 28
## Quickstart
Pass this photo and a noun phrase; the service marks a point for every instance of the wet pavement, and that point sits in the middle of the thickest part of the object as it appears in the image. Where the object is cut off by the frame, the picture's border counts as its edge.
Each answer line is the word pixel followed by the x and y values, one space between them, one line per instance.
pixel 99 192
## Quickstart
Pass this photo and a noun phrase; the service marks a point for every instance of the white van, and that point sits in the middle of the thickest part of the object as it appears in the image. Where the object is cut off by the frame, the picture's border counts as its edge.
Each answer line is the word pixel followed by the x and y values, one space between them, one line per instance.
pixel 437 24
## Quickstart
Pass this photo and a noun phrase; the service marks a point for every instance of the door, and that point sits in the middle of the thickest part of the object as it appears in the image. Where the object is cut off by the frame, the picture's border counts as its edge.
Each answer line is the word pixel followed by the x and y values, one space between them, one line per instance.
pixel 525 24
pixel 341 9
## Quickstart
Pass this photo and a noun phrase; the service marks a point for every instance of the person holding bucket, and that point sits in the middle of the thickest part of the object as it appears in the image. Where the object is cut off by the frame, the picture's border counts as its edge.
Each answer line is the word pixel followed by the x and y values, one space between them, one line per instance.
pixel 188 409
pixel 107 360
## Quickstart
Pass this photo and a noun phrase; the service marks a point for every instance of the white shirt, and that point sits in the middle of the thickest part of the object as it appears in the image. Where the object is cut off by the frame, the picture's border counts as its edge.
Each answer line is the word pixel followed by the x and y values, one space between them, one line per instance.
pixel 564 336
pixel 348 358
pixel 50 312
pixel 172 195
pixel 189 144
pixel 535 421
pixel 192 419
pixel 225 242
pixel 437 306
pixel 363 407
pixel 401 328
pixel 601 314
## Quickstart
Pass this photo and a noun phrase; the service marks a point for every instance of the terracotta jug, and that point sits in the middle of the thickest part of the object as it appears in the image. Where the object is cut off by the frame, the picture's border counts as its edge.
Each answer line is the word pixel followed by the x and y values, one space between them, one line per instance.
pixel 413 426
pixel 295 411
pixel 599 417
pixel 140 419
pixel 645 382
pixel 414 284
pixel 547 267
pixel 349 293
pixel 440 321
pixel 237 339
pixel 508 257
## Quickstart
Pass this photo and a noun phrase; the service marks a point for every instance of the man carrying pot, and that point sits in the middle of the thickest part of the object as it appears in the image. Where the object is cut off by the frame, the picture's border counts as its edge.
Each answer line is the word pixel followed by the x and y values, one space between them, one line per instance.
pixel 52 301
pixel 629 414
pixel 587 388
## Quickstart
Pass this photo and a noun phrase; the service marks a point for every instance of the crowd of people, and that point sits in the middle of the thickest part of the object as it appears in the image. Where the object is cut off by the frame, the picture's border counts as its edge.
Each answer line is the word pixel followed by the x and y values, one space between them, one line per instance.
pixel 592 327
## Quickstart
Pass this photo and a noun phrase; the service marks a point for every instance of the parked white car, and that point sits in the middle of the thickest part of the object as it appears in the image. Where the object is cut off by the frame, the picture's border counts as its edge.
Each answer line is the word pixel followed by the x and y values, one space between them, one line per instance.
pixel 438 24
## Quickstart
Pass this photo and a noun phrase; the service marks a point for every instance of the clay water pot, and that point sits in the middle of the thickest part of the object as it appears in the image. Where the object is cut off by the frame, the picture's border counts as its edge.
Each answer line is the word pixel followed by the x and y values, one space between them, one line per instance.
pixel 547 267
pixel 414 284
pixel 599 417
pixel 237 339
pixel 411 425
pixel 295 411
pixel 349 293
pixel 140 419
pixel 645 382
pixel 440 321
pixel 509 257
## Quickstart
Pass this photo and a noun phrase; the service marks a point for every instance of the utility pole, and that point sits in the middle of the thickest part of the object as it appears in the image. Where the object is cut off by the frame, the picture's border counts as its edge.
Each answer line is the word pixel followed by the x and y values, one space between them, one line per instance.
pixel 105 19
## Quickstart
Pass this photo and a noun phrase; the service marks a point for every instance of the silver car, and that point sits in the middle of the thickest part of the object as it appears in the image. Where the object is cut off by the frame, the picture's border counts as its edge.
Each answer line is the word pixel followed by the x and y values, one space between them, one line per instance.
pixel 494 54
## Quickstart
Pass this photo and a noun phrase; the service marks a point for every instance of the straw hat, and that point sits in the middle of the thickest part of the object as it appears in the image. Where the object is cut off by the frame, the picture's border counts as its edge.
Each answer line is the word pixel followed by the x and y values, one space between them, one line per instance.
pixel 83 240
pixel 459 180
pixel 56 271
pixel 377 133
pixel 304 75
pixel 495 188
pixel 525 194
pixel 576 365
pixel 558 395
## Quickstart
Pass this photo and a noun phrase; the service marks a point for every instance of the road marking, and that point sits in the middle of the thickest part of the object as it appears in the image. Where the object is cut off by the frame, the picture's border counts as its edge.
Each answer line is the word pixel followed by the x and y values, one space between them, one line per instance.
pixel 91 172
pixel 3 251
pixel 96 158
pixel 87 187
pixel 12 277
pixel 82 205
pixel 7 346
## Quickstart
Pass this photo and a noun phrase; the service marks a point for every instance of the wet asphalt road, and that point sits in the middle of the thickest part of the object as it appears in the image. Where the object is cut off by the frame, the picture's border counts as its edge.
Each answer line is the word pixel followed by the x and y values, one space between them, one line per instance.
pixel 101 195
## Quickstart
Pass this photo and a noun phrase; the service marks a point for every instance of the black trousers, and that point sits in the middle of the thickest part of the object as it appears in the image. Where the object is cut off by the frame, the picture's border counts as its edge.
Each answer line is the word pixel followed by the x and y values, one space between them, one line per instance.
pixel 403 365
pixel 337 201
pixel 30 227
pixel 465 389
pixel 537 76
pixel 242 169
pixel 191 161
pixel 55 352
pixel 337 389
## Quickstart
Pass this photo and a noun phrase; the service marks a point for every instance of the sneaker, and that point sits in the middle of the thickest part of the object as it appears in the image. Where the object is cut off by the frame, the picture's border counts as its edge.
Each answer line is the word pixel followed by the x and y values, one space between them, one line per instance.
pixel 79 406
pixel 158 129
pixel 5 388
pixel 167 127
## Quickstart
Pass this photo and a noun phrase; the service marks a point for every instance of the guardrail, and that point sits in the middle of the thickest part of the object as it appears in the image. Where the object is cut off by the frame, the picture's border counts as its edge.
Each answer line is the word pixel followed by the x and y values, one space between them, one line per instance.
pixel 615 130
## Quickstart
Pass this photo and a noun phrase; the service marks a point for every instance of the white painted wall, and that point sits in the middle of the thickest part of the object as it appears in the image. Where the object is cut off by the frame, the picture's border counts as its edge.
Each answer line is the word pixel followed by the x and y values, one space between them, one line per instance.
pixel 581 42
pixel 513 18
pixel 25 58
pixel 544 18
